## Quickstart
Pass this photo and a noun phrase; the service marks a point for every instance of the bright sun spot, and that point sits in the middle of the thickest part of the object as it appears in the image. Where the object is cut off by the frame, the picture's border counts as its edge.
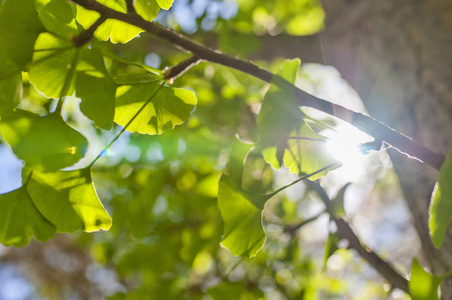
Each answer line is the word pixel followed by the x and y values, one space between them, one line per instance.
pixel 344 146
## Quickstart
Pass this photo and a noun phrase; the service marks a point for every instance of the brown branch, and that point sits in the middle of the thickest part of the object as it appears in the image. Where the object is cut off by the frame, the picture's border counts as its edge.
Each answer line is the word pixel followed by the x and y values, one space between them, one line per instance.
pixel 367 124
pixel 172 73
pixel 344 231
pixel 85 36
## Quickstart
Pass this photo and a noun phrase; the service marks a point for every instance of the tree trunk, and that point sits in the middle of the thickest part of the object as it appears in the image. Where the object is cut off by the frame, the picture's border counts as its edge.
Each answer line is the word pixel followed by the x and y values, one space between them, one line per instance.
pixel 398 57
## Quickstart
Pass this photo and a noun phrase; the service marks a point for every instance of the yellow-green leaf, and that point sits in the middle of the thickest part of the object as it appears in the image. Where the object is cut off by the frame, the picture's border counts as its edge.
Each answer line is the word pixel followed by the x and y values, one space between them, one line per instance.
pixel 68 200
pixel 167 108
pixel 422 285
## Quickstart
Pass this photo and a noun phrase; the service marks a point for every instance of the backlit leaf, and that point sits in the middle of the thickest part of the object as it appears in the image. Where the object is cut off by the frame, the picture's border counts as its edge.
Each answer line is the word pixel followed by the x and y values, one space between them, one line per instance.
pixel 68 200
pixel 19 219
pixel 165 4
pixel 169 107
pixel 44 143
pixel 52 69
pixel 306 153
pixel 237 159
pixel 422 285
pixel 440 213
pixel 147 9
pixel 10 85
pixel 242 214
pixel 116 31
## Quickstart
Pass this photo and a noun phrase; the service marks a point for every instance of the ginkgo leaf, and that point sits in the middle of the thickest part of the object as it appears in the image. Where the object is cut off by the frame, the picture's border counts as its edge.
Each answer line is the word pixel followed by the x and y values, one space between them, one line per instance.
pixel 19 28
pixel 165 4
pixel 44 143
pixel 147 9
pixel 58 17
pixel 305 152
pixel 96 88
pixel 279 113
pixel 440 212
pixel 10 85
pixel 53 66
pixel 242 214
pixel 68 200
pixel 237 159
pixel 167 108
pixel 19 219
pixel 422 285
pixel 116 31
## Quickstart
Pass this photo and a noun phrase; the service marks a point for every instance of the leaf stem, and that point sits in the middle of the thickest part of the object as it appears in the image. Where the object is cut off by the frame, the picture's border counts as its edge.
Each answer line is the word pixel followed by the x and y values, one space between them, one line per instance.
pixel 67 81
pixel 298 180
pixel 127 125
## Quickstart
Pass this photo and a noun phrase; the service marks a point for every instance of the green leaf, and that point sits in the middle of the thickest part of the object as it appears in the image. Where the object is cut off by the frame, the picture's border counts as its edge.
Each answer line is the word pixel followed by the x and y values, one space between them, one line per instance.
pixel 168 108
pixel 116 31
pixel 96 88
pixel 236 160
pixel 165 4
pixel 58 17
pixel 44 143
pixel 440 212
pixel 279 112
pixel 19 219
pixel 242 214
pixel 19 28
pixel 147 9
pixel 306 153
pixel 10 85
pixel 337 203
pixel 422 285
pixel 53 66
pixel 68 200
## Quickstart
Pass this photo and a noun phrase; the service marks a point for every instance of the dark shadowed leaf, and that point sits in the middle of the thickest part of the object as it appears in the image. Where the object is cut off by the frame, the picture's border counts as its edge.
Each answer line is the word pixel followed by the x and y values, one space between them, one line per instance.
pixel 440 213
pixel 169 107
pixel 96 88
pixel 337 203
pixel 68 200
pixel 422 285
pixel 20 219
pixel 58 17
pixel 19 28
pixel 44 143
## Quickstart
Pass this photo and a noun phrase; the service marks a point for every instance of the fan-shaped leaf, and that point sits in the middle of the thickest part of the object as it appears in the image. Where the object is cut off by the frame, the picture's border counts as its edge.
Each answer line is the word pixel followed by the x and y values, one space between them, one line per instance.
pixel 117 31
pixel 96 88
pixel 44 143
pixel 242 214
pixel 19 219
pixel 68 200
pixel 58 17
pixel 168 107
pixel 53 66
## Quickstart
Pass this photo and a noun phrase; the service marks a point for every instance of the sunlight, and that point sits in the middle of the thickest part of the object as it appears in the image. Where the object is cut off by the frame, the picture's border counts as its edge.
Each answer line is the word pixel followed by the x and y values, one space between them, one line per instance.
pixel 344 147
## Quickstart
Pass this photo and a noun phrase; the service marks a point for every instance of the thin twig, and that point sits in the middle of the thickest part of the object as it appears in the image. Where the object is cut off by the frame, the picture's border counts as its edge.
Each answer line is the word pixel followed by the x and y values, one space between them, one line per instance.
pixel 344 231
pixel 367 124
pixel 293 228
pixel 130 7
pixel 172 73
pixel 85 36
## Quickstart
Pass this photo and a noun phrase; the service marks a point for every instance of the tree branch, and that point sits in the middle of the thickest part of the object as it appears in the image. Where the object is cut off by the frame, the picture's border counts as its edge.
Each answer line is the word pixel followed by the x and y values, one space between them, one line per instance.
pixel 172 73
pixel 344 231
pixel 365 123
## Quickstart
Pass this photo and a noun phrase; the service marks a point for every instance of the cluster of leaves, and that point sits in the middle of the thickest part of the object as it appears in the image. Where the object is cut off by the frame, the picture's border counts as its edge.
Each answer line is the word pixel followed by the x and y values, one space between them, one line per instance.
pixel 42 48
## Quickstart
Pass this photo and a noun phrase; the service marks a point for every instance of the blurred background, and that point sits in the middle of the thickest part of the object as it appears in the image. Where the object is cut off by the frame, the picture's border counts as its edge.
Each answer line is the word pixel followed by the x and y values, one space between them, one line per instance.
pixel 161 190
